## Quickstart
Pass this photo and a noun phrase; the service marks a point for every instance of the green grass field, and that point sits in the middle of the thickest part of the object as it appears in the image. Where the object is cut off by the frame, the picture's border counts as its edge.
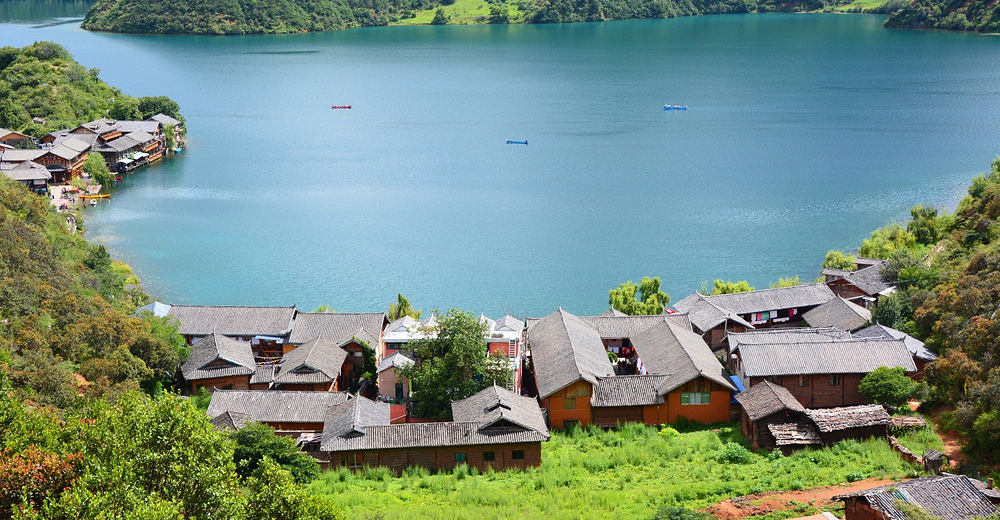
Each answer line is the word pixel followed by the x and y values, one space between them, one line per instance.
pixel 860 6
pixel 622 474
pixel 462 12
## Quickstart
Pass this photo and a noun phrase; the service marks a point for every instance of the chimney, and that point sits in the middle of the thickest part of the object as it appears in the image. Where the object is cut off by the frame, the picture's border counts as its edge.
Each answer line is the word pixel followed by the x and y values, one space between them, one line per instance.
pixel 989 483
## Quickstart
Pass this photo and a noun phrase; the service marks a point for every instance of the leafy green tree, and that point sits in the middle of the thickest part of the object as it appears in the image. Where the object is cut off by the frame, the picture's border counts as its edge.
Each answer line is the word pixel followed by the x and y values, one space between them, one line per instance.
pixel 884 241
pixel 256 441
pixel 324 308
pixel 274 495
pixel 98 169
pixel 790 281
pixel 642 299
pixel 840 260
pixel 125 108
pixel 498 371
pixel 886 385
pixel 892 310
pixel 499 14
pixel 724 287
pixel 149 106
pixel 450 367
pixel 170 135
pixel 439 18
pixel 402 308
pixel 926 225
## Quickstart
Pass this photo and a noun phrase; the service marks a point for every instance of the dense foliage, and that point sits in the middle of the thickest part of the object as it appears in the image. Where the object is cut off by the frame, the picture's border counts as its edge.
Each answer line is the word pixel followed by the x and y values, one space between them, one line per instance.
pixel 256 442
pixel 956 15
pixel 644 298
pixel 452 365
pixel 626 473
pixel 886 385
pixel 42 89
pixel 725 287
pixel 402 308
pixel 136 457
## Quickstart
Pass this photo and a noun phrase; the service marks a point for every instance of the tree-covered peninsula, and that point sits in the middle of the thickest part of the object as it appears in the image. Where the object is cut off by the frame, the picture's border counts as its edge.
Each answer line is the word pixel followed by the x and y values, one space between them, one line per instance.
pixel 954 15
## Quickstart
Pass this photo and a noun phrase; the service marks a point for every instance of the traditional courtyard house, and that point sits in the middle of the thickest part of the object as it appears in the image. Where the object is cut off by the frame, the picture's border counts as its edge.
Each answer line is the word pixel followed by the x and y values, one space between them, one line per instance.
pixel 862 286
pixel 12 138
pixel 948 497
pixel 755 309
pixel 778 335
pixel 921 354
pixel 766 410
pixel 568 357
pixel 106 129
pixel 118 152
pixel 839 313
pixel 392 385
pixel 33 175
pixel 348 331
pixel 266 328
pixel 850 422
pixel 493 428
pixel 315 365
pixel 286 411
pixel 216 361
pixel 819 374
pixel 65 160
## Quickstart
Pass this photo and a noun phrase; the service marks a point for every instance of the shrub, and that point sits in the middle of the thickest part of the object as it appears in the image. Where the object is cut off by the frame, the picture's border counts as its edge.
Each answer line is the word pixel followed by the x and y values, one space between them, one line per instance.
pixel 886 385
pixel 667 432
pixel 735 454
pixel 678 513
pixel 855 476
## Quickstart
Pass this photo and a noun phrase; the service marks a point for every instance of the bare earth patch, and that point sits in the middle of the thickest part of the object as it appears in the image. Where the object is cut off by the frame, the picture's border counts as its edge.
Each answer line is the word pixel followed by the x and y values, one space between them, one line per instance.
pixel 773 501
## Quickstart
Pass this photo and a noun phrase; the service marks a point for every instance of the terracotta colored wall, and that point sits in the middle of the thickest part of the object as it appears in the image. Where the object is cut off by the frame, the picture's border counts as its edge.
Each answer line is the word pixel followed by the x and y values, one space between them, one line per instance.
pixel 387 380
pixel 558 415
pixel 717 410
pixel 856 510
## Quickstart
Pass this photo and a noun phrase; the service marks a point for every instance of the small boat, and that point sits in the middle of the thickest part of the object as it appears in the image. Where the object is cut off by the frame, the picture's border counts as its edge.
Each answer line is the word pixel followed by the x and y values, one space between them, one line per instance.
pixel 341 107
pixel 513 141
pixel 93 202
pixel 178 150
pixel 95 195
pixel 674 107
pixel 118 178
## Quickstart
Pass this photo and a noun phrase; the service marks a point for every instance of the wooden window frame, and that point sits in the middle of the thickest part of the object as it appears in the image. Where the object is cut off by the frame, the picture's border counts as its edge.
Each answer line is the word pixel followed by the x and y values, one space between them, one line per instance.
pixel 569 403
pixel 834 379
pixel 489 456
pixel 517 455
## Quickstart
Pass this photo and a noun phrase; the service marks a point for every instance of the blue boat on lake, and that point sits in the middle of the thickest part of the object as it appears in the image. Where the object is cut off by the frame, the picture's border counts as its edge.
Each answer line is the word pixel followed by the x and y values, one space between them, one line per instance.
pixel 512 141
pixel 674 107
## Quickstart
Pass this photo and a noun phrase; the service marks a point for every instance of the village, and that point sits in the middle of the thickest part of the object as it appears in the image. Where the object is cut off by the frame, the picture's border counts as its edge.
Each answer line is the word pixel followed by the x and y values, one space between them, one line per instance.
pixel 784 364
pixel 53 164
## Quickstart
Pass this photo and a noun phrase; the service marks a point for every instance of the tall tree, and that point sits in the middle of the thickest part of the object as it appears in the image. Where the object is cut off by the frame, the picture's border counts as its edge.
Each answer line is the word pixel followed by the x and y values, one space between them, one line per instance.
pixel 451 366
pixel 644 298
pixel 402 308
pixel 724 287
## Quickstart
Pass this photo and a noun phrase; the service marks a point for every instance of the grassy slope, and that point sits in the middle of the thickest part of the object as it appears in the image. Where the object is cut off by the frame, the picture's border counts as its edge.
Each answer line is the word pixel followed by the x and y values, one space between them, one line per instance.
pixel 462 12
pixel 598 474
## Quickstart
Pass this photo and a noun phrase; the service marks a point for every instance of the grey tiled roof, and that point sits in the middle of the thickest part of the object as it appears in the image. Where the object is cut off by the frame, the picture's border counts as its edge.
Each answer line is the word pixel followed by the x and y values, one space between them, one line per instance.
pixel 765 299
pixel 316 361
pixel 847 417
pixel 395 360
pixel 264 374
pixel 147 126
pixel 948 497
pixel 566 349
pixel 419 435
pixel 508 322
pixel 165 120
pixel 856 356
pixel 200 320
pixel 669 349
pixel 100 126
pixel 612 312
pixel 499 406
pixel 838 313
pixel 69 148
pixel 869 279
pixel 915 346
pixel 786 335
pixel 276 405
pixel 26 171
pixel 140 137
pixel 120 144
pixel 628 391
pixel 617 327
pixel 337 327
pixel 767 398
pixel 230 421
pixel 794 434
pixel 19 155
pixel 211 348
pixel 352 417
pixel 705 314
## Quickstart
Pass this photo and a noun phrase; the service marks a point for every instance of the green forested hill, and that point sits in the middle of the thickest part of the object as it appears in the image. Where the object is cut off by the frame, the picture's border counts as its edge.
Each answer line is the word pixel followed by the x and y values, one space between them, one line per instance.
pixel 955 15
pixel 288 16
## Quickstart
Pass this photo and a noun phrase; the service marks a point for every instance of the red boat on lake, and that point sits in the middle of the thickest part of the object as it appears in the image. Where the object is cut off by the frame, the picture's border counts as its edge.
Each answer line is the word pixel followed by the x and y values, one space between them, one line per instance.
pixel 341 106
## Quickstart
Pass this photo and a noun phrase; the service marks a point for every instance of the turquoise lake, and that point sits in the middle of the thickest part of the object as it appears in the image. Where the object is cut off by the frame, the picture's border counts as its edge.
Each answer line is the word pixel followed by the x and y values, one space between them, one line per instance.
pixel 804 133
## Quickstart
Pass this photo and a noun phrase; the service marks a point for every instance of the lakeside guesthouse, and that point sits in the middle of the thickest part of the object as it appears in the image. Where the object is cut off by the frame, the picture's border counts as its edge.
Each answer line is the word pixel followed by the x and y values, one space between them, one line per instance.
pixel 716 316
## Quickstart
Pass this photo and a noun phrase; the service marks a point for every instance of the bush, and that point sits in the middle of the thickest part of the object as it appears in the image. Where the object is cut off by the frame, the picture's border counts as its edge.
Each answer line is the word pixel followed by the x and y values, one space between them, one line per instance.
pixel 667 432
pixel 855 476
pixel 678 513
pixel 255 442
pixel 886 385
pixel 735 454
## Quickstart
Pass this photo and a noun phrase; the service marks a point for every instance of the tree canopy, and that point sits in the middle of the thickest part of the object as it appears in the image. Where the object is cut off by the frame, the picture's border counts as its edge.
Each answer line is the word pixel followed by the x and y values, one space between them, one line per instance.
pixel 840 260
pixel 452 366
pixel 402 308
pixel 644 298
pixel 724 287
pixel 886 386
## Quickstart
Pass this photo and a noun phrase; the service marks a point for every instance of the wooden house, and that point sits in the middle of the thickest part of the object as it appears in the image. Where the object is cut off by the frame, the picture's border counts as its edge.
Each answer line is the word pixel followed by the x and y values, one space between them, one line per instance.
pixel 819 373
pixel 493 428
pixel 778 335
pixel 65 159
pixel 676 374
pixel 266 328
pixel 921 354
pixel 948 497
pixel 33 175
pixel 839 313
pixel 351 332
pixel 767 405
pixel 315 365
pixel 850 422
pixel 106 129
pixel 285 411
pixel 12 138
pixel 716 316
pixel 216 361
pixel 862 286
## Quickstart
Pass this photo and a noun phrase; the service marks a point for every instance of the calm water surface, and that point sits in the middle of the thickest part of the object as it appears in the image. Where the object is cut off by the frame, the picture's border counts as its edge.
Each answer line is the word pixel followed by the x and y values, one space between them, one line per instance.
pixel 804 133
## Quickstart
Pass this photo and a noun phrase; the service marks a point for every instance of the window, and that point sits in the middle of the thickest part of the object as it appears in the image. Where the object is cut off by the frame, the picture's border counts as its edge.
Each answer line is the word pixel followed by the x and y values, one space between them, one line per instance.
pixel 569 403
pixel 517 455
pixel 399 391
pixel 803 380
pixel 459 457
pixel 695 397
pixel 489 456
pixel 350 460
pixel 834 379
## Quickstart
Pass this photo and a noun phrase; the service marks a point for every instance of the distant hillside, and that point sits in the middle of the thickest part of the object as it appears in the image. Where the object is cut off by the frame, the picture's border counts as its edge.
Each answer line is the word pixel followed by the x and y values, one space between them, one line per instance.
pixel 954 15
pixel 288 16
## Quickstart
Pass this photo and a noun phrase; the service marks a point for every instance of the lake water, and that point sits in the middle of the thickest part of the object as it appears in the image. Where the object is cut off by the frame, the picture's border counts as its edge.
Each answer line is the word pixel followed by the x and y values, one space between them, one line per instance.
pixel 804 133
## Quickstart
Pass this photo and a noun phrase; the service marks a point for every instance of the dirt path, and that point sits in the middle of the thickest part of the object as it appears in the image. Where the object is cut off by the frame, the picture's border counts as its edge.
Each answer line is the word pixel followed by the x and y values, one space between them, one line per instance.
pixel 763 503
